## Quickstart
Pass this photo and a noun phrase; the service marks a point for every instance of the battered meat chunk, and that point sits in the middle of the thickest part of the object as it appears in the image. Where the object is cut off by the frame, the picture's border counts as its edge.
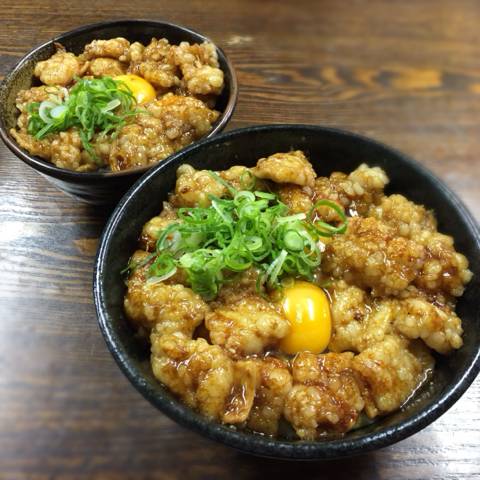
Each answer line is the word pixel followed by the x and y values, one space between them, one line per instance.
pixel 66 152
pixel 246 377
pixel 246 327
pixel 38 94
pixel 348 311
pixel 199 66
pixel 172 123
pixel 440 329
pixel 291 167
pixel 406 217
pixel 325 397
pixel 244 286
pixel 134 53
pixel 139 144
pixel 444 268
pixel 40 148
pixel 184 119
pixel 392 370
pixel 354 192
pixel 359 321
pixel 155 63
pixel 152 229
pixel 274 384
pixel 370 254
pixel 194 187
pixel 59 69
pixel 298 199
pixel 99 67
pixel 173 308
pixel 202 375
pixel 113 48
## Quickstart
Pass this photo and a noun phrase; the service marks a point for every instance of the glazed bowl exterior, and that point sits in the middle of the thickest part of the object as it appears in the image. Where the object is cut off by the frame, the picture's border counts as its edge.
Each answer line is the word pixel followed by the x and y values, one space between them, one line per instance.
pixel 329 150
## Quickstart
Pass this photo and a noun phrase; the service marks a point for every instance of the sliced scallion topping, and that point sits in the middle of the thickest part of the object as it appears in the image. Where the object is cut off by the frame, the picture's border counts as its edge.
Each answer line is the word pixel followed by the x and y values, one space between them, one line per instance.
pixel 250 229
pixel 93 106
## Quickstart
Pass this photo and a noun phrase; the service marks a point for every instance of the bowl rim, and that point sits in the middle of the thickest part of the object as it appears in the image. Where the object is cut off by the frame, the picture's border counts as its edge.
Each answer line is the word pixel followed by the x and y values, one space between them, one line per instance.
pixel 65 174
pixel 254 443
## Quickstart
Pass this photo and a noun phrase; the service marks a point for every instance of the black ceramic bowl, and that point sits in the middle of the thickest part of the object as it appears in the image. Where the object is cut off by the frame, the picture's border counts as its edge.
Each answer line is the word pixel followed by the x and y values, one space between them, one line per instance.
pixel 100 187
pixel 329 150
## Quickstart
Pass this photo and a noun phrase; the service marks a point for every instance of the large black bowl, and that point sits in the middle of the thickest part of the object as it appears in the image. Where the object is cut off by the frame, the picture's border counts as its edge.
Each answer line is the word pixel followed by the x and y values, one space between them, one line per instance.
pixel 100 187
pixel 328 150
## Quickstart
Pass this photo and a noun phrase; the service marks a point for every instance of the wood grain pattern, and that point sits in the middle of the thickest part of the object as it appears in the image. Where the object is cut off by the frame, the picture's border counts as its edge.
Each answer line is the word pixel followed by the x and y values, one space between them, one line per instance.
pixel 404 72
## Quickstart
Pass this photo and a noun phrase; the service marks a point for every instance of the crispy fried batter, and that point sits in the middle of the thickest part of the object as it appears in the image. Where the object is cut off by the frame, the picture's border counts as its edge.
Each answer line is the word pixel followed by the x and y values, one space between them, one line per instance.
pixel 172 123
pixel 171 308
pixel 359 320
pixel 290 167
pixel 155 63
pixel 354 192
pixel 440 329
pixel 59 69
pixel 392 372
pixel 275 384
pixel 194 187
pixel 407 218
pixel 371 255
pixel 200 69
pixel 113 48
pixel 248 326
pixel 325 396
pixel 99 67
pixel 202 375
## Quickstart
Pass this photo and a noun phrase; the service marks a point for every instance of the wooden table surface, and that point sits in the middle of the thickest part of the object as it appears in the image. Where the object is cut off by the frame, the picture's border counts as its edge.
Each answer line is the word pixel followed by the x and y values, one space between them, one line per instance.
pixel 404 72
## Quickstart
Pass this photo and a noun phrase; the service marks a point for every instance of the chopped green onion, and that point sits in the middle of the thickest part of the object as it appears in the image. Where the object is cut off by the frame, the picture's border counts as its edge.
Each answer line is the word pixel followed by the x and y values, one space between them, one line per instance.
pixel 57 112
pixel 293 241
pixel 250 230
pixel 44 110
pixel 93 106
pixel 327 230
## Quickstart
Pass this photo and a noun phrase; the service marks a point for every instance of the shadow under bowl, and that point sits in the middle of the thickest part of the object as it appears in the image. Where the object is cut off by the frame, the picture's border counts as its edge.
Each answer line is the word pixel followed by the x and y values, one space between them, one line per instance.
pixel 329 150
pixel 103 187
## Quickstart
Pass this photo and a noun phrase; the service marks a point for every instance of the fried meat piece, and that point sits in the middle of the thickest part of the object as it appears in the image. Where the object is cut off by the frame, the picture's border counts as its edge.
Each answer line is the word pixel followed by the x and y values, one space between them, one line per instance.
pixel 439 328
pixel 194 187
pixel 155 63
pixel 171 308
pixel 325 397
pixel 274 385
pixel 152 229
pixel 406 217
pixel 247 327
pixel 290 167
pixel 59 69
pixel 202 375
pixel 392 370
pixel 370 254
pixel 199 66
pixel 101 66
pixel 113 48
pixel 354 192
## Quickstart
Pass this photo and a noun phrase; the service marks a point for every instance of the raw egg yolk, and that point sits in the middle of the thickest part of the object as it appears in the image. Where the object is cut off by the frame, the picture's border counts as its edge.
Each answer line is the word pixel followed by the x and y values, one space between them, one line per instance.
pixel 141 89
pixel 307 308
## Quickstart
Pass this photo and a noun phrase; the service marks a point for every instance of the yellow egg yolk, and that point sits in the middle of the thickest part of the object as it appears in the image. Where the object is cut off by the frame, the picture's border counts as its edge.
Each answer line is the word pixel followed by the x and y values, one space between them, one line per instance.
pixel 307 308
pixel 141 89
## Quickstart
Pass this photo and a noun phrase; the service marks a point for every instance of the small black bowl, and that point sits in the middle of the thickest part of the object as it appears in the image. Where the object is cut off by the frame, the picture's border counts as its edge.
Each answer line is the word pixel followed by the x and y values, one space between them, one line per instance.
pixel 100 187
pixel 329 150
